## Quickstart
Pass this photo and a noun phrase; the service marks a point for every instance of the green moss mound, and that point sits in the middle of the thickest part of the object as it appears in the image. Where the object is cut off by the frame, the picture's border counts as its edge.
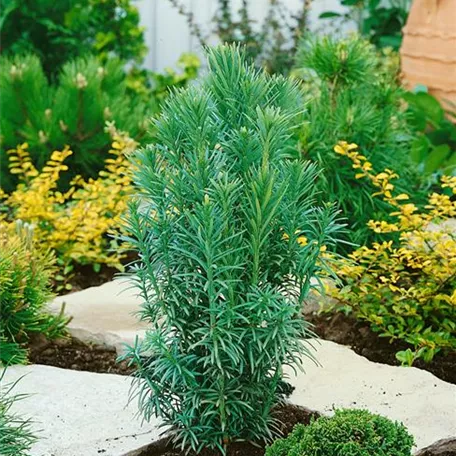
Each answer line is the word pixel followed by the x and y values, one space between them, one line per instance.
pixel 347 433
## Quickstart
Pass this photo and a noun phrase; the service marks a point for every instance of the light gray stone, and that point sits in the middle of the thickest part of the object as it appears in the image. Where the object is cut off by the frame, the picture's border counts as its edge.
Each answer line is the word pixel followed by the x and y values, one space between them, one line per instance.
pixel 424 403
pixel 103 315
pixel 80 413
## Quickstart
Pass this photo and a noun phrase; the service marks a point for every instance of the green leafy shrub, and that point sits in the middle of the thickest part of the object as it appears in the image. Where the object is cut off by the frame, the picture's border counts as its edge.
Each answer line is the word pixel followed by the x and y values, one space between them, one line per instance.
pixel 16 437
pixel 61 31
pixel 351 100
pixel 72 113
pixel 347 433
pixel 405 285
pixel 228 242
pixel 379 22
pixel 25 274
pixel 434 144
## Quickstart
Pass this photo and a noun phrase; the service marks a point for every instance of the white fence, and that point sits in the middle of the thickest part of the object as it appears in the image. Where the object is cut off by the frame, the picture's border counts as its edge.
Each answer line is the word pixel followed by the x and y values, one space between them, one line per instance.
pixel 168 35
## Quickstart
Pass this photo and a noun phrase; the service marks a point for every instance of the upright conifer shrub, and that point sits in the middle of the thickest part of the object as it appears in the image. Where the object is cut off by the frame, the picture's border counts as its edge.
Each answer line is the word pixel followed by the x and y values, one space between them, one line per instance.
pixel 359 103
pixel 228 242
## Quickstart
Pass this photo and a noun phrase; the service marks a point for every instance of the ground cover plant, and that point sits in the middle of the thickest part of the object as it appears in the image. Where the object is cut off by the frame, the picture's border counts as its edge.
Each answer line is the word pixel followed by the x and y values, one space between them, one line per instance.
pixel 16 437
pixel 75 224
pixel 350 97
pixel 25 273
pixel 228 240
pixel 347 433
pixel 405 285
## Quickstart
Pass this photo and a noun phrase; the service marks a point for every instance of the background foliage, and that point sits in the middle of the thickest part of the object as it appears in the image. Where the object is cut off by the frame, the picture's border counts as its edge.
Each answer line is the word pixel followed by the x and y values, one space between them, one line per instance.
pixel 434 144
pixel 349 97
pixel 61 31
pixel 228 241
pixel 271 45
pixel 381 22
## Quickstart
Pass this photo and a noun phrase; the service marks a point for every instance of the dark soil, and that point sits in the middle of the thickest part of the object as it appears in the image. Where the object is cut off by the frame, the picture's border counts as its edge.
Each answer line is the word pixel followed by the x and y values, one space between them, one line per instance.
pixel 85 277
pixel 69 353
pixel 346 330
pixel 288 415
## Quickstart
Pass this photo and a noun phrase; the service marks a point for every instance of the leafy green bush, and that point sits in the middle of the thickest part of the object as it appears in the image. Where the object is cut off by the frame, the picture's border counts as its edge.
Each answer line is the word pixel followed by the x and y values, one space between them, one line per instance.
pixel 405 290
pixel 351 100
pixel 434 145
pixel 25 274
pixel 379 22
pixel 72 113
pixel 228 242
pixel 16 437
pixel 60 31
pixel 347 433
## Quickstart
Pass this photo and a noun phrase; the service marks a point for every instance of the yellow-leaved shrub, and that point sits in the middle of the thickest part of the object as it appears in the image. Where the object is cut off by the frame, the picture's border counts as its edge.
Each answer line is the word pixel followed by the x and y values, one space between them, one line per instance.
pixel 405 286
pixel 76 224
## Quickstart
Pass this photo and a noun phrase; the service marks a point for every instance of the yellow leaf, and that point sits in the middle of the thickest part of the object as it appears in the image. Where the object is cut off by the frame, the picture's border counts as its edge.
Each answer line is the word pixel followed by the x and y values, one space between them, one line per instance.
pixel 402 196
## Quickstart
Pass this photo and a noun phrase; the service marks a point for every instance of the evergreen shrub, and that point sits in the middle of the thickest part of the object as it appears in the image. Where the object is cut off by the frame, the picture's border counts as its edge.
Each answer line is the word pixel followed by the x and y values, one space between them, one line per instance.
pixel 347 433
pixel 16 436
pixel 74 112
pixel 25 273
pixel 228 241
pixel 352 98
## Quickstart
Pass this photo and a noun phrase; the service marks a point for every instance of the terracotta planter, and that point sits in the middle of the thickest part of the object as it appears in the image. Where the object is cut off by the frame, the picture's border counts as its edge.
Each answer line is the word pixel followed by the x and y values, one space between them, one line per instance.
pixel 428 52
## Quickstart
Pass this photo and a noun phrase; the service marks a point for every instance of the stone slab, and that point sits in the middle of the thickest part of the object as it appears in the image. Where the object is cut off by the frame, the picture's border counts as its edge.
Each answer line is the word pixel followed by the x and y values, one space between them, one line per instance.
pixel 104 315
pixel 80 413
pixel 424 403
pixel 445 447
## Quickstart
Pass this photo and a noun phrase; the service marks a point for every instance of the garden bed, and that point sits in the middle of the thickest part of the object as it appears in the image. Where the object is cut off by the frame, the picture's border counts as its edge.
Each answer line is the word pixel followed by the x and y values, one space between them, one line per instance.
pixel 345 330
pixel 85 277
pixel 70 353
pixel 288 415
